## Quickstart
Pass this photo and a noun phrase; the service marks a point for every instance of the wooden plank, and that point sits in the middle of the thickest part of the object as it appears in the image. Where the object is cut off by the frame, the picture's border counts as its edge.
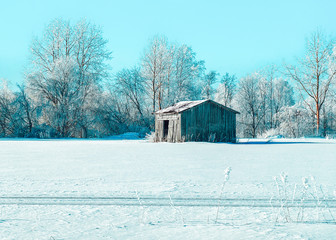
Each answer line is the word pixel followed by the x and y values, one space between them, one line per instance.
pixel 167 117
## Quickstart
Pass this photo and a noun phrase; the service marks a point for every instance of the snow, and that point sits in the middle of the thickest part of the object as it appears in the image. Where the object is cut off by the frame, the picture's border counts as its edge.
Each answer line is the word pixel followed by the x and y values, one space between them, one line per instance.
pixel 137 168
pixel 181 106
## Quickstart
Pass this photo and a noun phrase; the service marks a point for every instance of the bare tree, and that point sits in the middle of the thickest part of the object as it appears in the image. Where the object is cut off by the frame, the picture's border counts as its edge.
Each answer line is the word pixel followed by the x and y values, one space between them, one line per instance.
pixel 131 84
pixel 313 74
pixel 26 112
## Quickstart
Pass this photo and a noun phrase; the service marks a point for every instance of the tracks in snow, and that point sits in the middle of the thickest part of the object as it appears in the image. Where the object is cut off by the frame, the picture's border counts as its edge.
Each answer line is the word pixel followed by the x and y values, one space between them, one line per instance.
pixel 165 201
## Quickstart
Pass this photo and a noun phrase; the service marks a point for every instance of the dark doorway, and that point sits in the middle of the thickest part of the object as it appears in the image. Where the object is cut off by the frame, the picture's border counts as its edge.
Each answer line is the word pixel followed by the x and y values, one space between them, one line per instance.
pixel 165 128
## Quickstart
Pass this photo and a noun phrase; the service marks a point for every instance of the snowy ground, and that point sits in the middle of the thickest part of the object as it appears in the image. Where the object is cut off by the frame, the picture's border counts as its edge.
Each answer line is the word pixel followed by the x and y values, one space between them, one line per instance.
pixel 138 169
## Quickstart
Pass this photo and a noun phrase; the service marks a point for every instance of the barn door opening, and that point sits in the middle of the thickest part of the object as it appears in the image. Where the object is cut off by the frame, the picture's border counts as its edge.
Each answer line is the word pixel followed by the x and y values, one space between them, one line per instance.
pixel 165 128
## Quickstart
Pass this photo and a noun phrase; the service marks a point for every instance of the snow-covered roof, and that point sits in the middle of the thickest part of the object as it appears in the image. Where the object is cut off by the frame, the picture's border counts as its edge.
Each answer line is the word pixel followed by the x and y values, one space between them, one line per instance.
pixel 185 105
pixel 180 106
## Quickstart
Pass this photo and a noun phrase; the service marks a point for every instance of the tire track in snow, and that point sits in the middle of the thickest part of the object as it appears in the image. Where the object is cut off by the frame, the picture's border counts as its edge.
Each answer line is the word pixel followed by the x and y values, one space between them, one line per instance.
pixel 165 201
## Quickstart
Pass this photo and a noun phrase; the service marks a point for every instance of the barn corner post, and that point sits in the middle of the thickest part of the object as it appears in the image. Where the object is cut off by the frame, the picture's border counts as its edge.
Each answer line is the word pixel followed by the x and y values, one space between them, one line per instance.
pixel 156 135
pixel 158 128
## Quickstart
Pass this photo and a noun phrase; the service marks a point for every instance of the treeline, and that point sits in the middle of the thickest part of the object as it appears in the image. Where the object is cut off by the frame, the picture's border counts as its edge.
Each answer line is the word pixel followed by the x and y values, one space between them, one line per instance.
pixel 69 90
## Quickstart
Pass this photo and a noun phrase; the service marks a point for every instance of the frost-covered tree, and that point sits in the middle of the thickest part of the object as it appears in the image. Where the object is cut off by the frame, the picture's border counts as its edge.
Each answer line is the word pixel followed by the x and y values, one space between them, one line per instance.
pixel 59 94
pixel 264 96
pixel 171 72
pixel 275 92
pixel 68 64
pixel 294 121
pixel 154 69
pixel 7 110
pixel 209 79
pixel 283 96
pixel 249 103
pixel 185 74
pixel 226 90
pixel 259 99
pixel 314 73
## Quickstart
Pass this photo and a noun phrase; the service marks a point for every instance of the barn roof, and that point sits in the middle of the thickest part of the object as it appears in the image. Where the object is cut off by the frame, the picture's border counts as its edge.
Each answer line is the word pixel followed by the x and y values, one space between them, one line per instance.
pixel 180 106
pixel 185 105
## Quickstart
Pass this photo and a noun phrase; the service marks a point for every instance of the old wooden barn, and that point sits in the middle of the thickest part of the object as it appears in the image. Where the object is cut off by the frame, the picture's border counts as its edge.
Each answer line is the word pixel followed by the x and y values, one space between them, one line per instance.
pixel 204 120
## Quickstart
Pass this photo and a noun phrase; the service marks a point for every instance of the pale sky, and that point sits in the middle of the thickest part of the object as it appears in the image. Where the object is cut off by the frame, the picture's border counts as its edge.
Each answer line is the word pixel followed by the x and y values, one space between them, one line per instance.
pixel 231 36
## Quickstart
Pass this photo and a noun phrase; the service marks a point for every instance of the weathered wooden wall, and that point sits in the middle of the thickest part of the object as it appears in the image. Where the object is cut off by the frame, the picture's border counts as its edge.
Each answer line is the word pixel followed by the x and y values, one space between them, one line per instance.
pixel 208 122
pixel 174 127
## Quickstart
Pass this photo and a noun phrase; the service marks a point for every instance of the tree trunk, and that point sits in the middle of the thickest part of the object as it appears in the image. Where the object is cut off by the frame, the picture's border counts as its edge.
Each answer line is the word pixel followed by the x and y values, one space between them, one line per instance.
pixel 317 120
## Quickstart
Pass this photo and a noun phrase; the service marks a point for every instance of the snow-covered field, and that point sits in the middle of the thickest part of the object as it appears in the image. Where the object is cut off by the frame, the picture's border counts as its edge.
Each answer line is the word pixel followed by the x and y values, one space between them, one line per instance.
pixel 75 189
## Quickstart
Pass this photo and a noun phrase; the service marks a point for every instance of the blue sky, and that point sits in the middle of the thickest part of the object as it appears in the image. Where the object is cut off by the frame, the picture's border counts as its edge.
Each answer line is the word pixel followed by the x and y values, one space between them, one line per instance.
pixel 231 36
